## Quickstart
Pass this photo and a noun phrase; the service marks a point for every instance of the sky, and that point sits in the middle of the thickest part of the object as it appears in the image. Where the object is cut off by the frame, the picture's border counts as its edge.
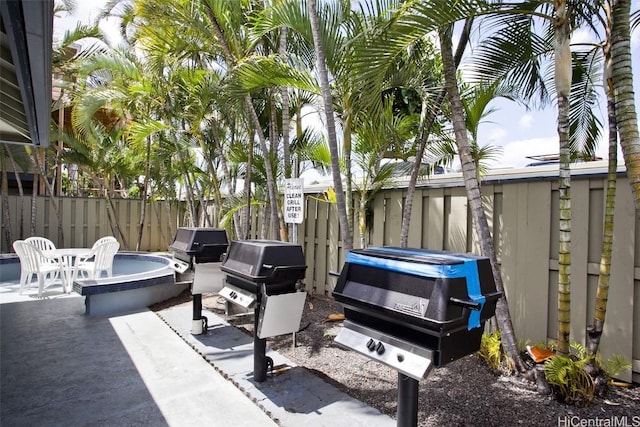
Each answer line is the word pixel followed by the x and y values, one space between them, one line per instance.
pixel 519 132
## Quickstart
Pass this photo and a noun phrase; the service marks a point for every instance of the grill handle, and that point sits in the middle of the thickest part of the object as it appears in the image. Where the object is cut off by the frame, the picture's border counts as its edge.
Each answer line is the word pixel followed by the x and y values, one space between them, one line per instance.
pixel 274 270
pixel 473 305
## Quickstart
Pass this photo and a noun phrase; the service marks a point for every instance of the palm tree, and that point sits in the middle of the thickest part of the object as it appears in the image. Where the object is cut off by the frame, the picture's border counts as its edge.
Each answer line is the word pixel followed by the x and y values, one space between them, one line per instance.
pixel 232 57
pixel 473 194
pixel 622 80
pixel 5 153
pixel 113 115
pixel 430 112
pixel 514 53
pixel 339 26
pixel 413 21
pixel 373 135
pixel 19 160
pixel 331 127
pixel 594 331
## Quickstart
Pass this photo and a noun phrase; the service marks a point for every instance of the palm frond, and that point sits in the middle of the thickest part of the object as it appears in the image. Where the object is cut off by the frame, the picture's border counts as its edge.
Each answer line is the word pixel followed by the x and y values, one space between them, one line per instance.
pixel 585 125
pixel 258 72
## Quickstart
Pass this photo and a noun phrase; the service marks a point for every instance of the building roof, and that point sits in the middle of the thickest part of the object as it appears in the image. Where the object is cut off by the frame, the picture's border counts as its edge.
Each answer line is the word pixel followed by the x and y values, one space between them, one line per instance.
pixel 26 35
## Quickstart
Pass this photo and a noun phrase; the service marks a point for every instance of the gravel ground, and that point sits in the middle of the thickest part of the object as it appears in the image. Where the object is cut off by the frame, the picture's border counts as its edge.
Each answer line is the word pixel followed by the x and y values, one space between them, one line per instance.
pixel 463 393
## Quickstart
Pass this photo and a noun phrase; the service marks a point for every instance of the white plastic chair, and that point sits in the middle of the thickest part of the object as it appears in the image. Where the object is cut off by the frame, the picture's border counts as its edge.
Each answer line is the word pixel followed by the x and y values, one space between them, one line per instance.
pixel 41 243
pixel 31 263
pixel 44 245
pixel 99 260
pixel 104 239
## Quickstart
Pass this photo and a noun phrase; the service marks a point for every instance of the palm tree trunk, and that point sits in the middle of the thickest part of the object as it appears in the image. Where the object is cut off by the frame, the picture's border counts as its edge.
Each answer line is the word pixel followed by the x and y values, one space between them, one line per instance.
pixel 347 146
pixel 265 223
pixel 362 220
pixel 594 331
pixel 509 341
pixel 273 121
pixel 156 210
pixel 255 122
pixel 425 129
pixel 6 217
pixel 167 208
pixel 112 217
pixel 622 78
pixel 203 219
pixel 284 94
pixel 143 197
pixel 271 184
pixel 246 212
pixel 218 199
pixel 14 166
pixel 563 89
pixel 286 143
pixel 331 126
pixel 34 206
pixel 225 171
pixel 52 199
pixel 188 184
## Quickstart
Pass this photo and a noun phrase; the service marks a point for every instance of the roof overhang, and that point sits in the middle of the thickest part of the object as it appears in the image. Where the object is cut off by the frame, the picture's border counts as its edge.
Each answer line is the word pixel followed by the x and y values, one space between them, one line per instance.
pixel 26 36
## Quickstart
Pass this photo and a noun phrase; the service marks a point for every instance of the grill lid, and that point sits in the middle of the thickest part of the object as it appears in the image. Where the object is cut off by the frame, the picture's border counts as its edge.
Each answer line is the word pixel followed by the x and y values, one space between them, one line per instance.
pixel 265 261
pixel 205 244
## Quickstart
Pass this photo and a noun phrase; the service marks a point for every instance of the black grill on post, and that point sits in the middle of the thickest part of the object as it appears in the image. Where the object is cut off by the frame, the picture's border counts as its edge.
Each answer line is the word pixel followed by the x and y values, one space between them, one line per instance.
pixel 194 250
pixel 264 274
pixel 414 309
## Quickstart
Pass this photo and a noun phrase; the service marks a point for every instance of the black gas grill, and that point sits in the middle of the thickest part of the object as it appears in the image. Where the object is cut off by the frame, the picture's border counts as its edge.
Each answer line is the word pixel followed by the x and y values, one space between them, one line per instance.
pixel 197 252
pixel 414 309
pixel 264 275
pixel 199 245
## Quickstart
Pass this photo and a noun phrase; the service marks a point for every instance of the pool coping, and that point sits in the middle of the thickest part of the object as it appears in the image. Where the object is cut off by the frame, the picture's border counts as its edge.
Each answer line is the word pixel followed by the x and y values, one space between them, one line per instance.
pixel 111 295
pixel 132 281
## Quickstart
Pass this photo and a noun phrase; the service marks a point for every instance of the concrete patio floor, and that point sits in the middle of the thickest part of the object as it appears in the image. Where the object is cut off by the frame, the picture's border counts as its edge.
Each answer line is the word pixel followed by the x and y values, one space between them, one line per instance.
pixel 60 367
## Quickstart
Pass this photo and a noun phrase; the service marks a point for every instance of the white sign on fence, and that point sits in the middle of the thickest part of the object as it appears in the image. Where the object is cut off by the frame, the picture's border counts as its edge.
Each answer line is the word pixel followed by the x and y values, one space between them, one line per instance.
pixel 294 200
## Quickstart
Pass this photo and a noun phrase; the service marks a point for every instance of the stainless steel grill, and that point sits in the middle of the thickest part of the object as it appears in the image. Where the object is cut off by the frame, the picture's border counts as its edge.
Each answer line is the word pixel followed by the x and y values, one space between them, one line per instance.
pixel 414 309
pixel 197 253
pixel 264 275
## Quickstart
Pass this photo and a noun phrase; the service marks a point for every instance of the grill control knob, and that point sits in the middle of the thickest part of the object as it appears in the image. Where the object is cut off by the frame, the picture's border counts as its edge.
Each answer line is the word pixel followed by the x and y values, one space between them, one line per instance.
pixel 380 348
pixel 371 345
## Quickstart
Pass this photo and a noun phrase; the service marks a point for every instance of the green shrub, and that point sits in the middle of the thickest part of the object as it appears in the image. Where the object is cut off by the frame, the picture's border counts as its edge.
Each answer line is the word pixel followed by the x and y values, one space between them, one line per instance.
pixel 569 380
pixel 492 354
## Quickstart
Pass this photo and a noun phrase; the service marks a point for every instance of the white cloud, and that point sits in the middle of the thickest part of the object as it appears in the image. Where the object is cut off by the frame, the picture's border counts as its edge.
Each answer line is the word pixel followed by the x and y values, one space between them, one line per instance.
pixel 582 35
pixel 515 153
pixel 497 135
pixel 86 13
pixel 525 121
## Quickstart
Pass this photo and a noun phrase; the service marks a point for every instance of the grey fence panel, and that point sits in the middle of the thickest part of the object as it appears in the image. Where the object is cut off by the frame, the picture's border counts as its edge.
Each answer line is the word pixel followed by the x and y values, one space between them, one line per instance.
pixel 85 220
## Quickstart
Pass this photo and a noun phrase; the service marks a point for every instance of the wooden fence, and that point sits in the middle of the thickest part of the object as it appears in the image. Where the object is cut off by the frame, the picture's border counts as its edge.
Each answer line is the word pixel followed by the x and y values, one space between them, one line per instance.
pixel 85 220
pixel 522 208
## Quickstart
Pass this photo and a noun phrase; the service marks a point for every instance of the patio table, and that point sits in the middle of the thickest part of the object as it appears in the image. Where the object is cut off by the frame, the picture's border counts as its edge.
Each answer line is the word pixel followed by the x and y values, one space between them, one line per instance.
pixel 68 259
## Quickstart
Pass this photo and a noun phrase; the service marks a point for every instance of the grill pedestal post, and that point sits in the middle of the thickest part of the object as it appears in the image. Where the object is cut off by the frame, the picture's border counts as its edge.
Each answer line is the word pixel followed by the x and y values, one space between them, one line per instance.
pixel 407 401
pixel 198 325
pixel 259 346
